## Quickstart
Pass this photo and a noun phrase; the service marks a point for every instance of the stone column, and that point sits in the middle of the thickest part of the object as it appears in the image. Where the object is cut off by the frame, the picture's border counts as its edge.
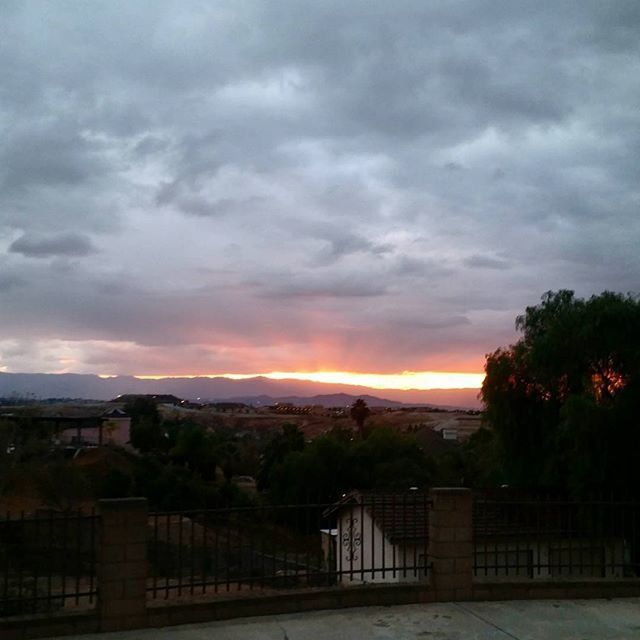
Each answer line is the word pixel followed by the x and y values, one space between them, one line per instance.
pixel 451 543
pixel 122 564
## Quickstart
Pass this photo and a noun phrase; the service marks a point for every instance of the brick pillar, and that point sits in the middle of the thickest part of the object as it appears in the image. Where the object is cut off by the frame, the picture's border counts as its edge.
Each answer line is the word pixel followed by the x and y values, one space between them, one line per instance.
pixel 122 564
pixel 451 543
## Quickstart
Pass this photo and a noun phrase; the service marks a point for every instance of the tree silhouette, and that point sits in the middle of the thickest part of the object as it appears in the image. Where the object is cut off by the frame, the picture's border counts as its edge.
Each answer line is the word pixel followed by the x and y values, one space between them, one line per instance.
pixel 145 431
pixel 359 413
pixel 564 400
pixel 288 440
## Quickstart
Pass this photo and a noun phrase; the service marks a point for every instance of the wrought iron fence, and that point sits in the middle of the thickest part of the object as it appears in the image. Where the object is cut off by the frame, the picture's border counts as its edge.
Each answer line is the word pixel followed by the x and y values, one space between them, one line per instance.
pixel 544 536
pixel 47 561
pixel 360 539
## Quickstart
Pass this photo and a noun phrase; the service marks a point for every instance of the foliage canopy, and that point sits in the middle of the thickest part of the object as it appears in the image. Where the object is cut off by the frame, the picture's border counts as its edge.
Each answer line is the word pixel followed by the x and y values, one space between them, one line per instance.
pixel 564 401
pixel 331 464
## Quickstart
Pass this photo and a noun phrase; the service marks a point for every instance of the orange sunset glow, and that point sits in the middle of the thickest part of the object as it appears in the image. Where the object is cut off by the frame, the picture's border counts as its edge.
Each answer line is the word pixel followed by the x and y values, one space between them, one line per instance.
pixel 420 380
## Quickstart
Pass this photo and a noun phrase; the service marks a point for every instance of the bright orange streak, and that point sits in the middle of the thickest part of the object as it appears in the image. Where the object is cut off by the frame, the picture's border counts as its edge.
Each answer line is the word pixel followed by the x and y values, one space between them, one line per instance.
pixel 406 380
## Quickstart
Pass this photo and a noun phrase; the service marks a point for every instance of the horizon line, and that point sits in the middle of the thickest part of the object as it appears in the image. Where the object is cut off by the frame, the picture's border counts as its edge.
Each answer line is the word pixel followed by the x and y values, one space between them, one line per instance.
pixel 405 381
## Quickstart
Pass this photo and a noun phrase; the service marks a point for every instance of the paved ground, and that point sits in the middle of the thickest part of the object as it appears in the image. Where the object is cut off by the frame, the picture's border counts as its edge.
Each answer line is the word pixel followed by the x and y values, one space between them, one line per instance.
pixel 525 620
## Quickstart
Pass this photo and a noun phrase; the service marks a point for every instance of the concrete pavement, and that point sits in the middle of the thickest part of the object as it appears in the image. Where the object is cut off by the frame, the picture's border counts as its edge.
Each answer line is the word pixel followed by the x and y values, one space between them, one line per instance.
pixel 520 620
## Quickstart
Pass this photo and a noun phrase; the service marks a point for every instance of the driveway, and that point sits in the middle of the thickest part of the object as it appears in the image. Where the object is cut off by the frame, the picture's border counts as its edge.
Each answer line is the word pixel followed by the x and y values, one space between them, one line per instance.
pixel 522 620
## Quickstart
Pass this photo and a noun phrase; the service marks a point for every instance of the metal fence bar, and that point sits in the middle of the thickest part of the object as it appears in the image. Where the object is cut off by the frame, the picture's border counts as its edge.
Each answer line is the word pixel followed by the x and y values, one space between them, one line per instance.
pixel 382 544
pixel 36 571
pixel 634 549
pixel 92 555
pixel 20 560
pixel 361 549
pixel 49 555
pixel 166 580
pixel 251 546
pixel 404 526
pixel 393 547
pixel 65 538
pixel 193 557
pixel 307 528
pixel 7 567
pixel 623 527
pixel 205 552
pixel 228 554
pixel 155 554
pixel 262 557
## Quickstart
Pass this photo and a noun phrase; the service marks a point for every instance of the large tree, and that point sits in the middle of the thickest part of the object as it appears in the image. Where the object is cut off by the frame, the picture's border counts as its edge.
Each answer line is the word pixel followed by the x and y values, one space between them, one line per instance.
pixel 564 401
pixel 146 433
pixel 290 439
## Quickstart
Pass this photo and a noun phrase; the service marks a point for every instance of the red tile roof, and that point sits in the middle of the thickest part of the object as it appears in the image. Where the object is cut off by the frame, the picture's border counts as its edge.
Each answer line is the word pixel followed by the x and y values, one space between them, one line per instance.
pixel 402 517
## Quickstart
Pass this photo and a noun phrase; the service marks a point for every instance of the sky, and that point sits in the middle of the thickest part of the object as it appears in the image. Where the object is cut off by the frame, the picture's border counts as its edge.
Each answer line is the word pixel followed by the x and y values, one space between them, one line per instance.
pixel 301 186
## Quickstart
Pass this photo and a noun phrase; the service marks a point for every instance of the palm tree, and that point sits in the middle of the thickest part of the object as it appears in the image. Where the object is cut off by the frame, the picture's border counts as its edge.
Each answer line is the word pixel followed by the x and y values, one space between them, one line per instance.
pixel 359 413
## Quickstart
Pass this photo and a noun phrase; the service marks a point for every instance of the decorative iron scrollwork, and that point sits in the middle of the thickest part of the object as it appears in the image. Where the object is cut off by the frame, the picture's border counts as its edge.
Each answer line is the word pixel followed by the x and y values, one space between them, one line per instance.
pixel 352 539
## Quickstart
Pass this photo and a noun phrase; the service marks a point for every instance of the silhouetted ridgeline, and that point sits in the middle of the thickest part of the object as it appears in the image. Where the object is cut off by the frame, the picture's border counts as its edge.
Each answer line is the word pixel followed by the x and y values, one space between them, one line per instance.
pixel 69 385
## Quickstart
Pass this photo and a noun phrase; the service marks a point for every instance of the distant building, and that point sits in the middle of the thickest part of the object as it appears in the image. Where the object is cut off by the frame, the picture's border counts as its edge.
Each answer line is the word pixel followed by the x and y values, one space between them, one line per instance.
pixel 159 398
pixel 288 408
pixel 112 427
pixel 230 407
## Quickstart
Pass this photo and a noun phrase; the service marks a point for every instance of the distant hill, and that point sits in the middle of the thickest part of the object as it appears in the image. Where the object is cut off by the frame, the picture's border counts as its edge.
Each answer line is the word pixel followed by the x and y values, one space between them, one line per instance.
pixel 70 385
pixel 326 400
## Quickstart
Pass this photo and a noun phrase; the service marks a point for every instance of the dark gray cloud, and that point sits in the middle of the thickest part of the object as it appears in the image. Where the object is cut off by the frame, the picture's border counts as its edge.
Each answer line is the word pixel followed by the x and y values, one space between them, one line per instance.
pixel 55 154
pixel 347 243
pixel 61 244
pixel 308 184
pixel 485 262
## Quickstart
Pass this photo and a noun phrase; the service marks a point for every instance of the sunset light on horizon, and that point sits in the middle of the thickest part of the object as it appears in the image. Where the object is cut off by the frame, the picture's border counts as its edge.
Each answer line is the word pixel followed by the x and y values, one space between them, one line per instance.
pixel 418 380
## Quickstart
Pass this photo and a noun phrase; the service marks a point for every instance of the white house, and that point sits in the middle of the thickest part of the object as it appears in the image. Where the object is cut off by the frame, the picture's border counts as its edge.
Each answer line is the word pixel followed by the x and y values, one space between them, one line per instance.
pixel 380 538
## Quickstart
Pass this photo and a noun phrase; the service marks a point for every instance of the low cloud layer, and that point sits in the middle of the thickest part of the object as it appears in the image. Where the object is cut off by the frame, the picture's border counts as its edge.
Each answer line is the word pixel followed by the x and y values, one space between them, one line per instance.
pixel 241 187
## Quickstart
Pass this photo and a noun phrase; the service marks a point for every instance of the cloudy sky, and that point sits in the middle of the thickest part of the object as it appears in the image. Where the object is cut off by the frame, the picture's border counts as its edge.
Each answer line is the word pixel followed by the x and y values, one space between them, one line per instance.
pixel 375 186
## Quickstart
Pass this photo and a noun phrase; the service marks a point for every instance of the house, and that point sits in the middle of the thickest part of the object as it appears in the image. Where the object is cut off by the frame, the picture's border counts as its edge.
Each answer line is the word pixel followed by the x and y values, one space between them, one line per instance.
pixel 73 426
pixel 116 425
pixel 517 537
pixel 158 398
pixel 112 427
pixel 384 538
pixel 380 537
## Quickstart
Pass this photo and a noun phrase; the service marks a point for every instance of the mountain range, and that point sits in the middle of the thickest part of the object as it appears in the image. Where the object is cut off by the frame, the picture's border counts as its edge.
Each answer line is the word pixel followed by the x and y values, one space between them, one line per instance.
pixel 87 386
